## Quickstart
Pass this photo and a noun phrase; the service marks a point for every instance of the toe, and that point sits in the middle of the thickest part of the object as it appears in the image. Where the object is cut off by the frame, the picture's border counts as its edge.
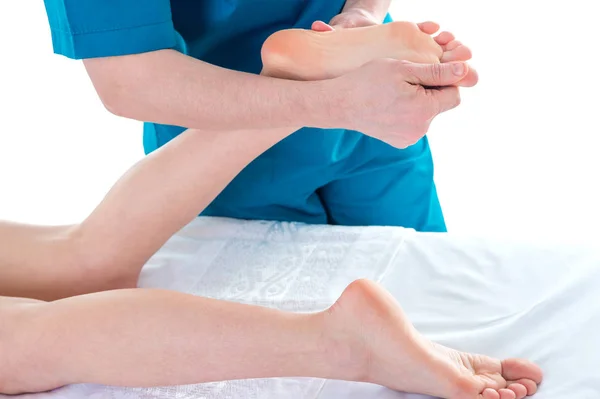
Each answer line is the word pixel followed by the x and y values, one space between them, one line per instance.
pixel 471 79
pixel 530 386
pixel 519 390
pixel 429 27
pixel 516 369
pixel 490 394
pixel 462 53
pixel 444 38
pixel 452 45
pixel 506 394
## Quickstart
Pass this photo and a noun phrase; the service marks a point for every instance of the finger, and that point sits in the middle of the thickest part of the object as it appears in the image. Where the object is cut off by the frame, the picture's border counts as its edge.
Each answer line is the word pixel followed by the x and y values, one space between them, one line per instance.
pixel 519 390
pixel 435 75
pixel 429 27
pixel 444 38
pixel 529 385
pixel 320 26
pixel 461 53
pixel 442 99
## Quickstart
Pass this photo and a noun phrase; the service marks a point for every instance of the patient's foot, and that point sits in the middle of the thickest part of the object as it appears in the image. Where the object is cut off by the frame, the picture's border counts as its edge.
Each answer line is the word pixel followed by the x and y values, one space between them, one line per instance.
pixel 452 50
pixel 371 323
pixel 324 53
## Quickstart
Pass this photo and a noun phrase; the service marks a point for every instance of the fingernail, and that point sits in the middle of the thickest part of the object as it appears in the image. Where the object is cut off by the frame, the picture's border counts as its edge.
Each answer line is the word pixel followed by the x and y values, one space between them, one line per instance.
pixel 458 69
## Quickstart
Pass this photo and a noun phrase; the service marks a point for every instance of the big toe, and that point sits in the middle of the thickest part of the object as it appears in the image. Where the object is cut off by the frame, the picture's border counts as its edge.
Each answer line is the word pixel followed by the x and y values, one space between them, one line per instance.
pixel 429 27
pixel 471 79
pixel 517 369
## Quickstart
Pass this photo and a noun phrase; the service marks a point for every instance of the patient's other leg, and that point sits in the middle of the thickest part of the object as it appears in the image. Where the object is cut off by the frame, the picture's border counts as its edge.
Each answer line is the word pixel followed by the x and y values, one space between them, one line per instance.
pixel 143 338
pixel 156 338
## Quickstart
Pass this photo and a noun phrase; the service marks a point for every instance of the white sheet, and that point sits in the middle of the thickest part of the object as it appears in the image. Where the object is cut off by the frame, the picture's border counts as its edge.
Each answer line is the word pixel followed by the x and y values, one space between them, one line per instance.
pixel 499 298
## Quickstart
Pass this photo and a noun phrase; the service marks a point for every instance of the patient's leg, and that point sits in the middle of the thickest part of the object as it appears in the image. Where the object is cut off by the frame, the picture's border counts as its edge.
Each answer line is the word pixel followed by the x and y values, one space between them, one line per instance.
pixel 153 338
pixel 324 53
pixel 48 262
pixel 137 216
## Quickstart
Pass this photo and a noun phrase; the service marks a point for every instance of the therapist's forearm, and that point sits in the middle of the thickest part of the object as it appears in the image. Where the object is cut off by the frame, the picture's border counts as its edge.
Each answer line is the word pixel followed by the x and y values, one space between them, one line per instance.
pixel 168 87
pixel 151 202
pixel 377 8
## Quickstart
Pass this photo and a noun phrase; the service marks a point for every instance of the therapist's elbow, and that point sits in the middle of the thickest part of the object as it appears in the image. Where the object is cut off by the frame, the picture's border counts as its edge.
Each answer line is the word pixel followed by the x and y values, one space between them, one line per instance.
pixel 114 99
pixel 116 87
pixel 114 105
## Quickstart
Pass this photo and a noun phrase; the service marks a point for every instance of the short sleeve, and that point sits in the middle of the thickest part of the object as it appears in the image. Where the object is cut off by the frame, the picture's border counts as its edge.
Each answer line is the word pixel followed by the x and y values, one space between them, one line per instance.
pixel 101 28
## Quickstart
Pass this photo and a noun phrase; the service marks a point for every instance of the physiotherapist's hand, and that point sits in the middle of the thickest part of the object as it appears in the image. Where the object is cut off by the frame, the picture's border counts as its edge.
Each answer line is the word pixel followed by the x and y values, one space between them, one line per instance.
pixel 395 101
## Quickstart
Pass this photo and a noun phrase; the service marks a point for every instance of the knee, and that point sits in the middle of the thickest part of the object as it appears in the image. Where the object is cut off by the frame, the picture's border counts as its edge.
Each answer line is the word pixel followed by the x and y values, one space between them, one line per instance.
pixel 101 268
pixel 102 273
pixel 102 276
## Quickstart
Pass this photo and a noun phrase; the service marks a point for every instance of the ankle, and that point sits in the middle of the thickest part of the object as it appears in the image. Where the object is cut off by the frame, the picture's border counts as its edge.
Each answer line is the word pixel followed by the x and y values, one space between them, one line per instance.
pixel 346 354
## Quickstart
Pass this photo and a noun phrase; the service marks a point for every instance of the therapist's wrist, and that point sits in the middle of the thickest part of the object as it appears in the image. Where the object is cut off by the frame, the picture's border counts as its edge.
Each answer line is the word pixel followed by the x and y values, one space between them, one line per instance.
pixel 317 104
pixel 372 12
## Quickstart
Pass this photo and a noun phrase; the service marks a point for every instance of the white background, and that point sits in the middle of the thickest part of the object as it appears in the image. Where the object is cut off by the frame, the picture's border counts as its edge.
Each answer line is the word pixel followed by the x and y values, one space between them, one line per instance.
pixel 518 157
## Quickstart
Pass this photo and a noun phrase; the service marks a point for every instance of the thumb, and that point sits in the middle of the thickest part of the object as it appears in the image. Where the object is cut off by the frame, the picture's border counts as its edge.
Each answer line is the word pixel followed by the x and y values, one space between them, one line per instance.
pixel 320 26
pixel 435 75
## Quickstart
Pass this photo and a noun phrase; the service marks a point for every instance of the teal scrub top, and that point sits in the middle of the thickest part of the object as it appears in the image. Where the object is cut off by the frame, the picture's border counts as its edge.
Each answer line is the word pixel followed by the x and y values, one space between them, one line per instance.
pixel 227 33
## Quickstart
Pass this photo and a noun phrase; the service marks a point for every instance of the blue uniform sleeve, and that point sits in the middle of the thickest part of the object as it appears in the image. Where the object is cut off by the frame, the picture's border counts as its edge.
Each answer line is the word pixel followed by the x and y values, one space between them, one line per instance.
pixel 101 28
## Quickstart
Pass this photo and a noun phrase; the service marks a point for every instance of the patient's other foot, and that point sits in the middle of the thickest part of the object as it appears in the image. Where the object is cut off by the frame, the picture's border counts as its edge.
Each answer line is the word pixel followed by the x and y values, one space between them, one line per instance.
pixel 372 327
pixel 323 52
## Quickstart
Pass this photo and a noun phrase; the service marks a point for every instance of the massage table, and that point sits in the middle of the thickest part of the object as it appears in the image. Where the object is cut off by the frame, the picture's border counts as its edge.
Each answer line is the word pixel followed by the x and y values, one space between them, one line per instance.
pixel 539 301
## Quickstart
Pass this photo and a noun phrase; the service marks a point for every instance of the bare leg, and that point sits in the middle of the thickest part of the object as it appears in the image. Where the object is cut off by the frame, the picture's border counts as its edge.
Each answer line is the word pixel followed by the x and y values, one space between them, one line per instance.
pixel 151 202
pixel 145 337
pixel 153 338
pixel 45 262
